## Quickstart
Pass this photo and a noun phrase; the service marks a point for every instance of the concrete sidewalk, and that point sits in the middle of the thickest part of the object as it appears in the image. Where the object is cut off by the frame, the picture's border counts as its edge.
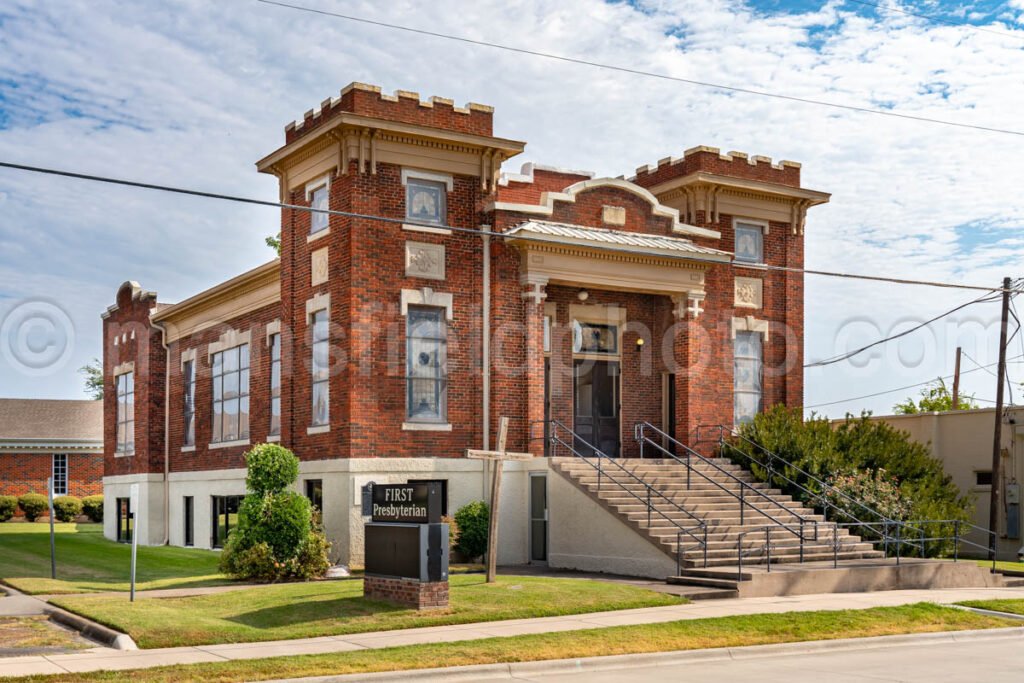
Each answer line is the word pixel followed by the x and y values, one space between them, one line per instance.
pixel 98 659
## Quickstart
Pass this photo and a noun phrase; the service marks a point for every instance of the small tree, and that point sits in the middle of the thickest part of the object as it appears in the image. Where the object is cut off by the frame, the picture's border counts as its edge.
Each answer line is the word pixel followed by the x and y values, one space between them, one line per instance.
pixel 274 242
pixel 276 537
pixel 935 398
pixel 93 374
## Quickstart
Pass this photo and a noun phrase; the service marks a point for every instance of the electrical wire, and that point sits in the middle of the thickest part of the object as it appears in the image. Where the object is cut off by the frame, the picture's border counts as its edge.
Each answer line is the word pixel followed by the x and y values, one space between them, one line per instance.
pixel 942 20
pixel 904 388
pixel 474 231
pixel 641 72
pixel 851 354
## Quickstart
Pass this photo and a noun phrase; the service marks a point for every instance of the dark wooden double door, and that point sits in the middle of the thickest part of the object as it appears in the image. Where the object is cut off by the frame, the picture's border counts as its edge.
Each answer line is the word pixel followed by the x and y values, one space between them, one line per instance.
pixel 596 405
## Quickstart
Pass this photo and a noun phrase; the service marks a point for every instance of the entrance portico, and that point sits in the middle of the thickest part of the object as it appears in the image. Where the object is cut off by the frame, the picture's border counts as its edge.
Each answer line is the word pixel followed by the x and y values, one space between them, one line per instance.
pixel 612 309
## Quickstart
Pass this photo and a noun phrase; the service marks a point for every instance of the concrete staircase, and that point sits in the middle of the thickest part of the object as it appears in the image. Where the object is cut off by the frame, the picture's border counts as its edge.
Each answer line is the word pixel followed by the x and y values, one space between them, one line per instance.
pixel 711 498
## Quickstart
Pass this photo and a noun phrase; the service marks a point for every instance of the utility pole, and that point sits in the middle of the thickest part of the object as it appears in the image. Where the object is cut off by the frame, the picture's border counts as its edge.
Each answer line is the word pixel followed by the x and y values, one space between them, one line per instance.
pixel 997 438
pixel 956 381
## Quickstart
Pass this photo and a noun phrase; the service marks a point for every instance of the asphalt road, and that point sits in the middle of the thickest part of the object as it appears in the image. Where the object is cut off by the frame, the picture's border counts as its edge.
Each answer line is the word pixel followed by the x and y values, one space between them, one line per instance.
pixel 970 662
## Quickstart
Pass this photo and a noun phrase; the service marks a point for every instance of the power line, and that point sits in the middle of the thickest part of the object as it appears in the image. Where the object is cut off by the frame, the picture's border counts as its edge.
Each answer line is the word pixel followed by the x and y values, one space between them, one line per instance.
pixel 932 17
pixel 851 354
pixel 641 72
pixel 453 228
pixel 909 386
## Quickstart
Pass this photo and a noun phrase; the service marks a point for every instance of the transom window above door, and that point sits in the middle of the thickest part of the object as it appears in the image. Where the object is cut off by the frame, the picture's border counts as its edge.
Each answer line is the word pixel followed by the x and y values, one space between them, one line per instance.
pixel 600 338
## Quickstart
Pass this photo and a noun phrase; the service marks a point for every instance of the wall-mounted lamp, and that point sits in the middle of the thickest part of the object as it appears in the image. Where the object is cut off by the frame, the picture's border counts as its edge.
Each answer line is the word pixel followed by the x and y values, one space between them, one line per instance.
pixel 639 343
pixel 583 295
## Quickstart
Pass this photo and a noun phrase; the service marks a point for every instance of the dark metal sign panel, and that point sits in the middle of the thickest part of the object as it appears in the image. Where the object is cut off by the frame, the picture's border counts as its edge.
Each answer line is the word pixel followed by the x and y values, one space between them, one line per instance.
pixel 407 503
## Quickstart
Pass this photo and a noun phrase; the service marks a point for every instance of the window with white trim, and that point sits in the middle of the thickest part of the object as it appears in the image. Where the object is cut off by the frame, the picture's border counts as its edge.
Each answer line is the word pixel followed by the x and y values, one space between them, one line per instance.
pixel 321 368
pixel 747 369
pixel 230 377
pixel 275 384
pixel 125 412
pixel 319 199
pixel 426 364
pixel 188 378
pixel 749 245
pixel 60 474
pixel 426 201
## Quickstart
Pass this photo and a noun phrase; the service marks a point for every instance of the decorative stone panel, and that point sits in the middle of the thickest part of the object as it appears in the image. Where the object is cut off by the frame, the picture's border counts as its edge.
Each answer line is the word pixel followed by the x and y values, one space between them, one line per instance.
pixel 749 292
pixel 424 260
pixel 613 215
pixel 318 266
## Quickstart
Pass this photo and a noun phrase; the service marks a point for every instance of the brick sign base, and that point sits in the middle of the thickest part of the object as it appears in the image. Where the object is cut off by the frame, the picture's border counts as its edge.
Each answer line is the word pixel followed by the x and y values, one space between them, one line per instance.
pixel 408 592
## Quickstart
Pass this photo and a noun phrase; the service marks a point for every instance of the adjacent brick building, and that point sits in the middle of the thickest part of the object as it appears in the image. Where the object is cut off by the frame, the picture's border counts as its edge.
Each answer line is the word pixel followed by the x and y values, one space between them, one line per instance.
pixel 40 439
pixel 391 336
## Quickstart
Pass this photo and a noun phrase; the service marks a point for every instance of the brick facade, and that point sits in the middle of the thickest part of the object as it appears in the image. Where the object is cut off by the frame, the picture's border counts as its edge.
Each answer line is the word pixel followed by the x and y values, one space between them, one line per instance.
pixel 360 143
pixel 22 473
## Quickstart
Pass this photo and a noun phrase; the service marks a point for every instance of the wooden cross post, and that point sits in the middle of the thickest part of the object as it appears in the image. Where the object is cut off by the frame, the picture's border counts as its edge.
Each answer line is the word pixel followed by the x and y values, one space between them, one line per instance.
pixel 498 457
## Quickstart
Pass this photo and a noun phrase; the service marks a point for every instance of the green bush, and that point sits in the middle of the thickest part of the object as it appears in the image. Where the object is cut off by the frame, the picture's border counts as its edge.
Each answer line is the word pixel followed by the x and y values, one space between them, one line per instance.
pixel 92 506
pixel 472 521
pixel 8 505
pixel 33 505
pixel 856 445
pixel 277 536
pixel 272 468
pixel 67 508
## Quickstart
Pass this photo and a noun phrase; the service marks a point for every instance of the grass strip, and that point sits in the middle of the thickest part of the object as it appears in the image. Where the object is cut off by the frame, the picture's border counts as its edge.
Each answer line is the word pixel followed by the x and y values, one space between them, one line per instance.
pixel 307 610
pixel 737 631
pixel 1007 606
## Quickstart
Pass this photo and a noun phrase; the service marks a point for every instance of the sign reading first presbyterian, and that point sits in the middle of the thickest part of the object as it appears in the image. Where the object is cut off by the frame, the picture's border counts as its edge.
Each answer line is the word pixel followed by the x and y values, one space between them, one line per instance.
pixel 414 503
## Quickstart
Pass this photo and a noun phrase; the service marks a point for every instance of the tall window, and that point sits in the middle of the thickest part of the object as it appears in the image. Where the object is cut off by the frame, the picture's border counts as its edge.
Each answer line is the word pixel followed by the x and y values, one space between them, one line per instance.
pixel 321 369
pixel 188 378
pixel 747 360
pixel 319 200
pixel 749 243
pixel 426 201
pixel 275 384
pixel 60 474
pixel 426 365
pixel 231 394
pixel 125 413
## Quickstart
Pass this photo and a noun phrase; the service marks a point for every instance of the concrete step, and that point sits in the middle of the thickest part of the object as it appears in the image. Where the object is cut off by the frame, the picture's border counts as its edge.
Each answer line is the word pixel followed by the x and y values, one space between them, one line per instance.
pixel 686 579
pixel 759 560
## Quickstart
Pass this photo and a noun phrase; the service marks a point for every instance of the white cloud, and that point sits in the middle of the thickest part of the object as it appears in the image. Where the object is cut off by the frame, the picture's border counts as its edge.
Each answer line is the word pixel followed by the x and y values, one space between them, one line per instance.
pixel 192 93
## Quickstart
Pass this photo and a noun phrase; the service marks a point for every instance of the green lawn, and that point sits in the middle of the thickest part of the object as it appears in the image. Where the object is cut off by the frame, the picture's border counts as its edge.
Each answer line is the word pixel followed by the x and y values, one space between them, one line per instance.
pixel 1003 565
pixel 759 629
pixel 336 607
pixel 87 562
pixel 1009 606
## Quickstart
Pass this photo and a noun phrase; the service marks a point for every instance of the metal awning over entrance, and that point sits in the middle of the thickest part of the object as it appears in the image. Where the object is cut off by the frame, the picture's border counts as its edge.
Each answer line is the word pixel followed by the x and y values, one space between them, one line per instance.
pixel 615 240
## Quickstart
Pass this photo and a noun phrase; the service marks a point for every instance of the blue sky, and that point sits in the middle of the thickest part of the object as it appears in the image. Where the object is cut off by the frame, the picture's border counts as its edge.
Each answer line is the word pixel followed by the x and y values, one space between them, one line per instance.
pixel 192 93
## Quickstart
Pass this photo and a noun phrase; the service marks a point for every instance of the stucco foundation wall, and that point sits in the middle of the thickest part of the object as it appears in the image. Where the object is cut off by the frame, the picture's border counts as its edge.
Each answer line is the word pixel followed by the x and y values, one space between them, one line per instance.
pixel 149 517
pixel 585 536
pixel 202 486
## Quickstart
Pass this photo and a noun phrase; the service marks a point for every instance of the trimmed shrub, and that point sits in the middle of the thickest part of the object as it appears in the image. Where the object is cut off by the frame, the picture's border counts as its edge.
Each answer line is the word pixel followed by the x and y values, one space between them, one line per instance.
pixel 92 507
pixel 33 505
pixel 8 505
pixel 67 508
pixel 472 521
pixel 272 468
pixel 277 537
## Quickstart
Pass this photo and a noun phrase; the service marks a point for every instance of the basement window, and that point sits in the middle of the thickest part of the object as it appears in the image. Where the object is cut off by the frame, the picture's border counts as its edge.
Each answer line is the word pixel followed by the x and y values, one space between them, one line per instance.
pixel 983 478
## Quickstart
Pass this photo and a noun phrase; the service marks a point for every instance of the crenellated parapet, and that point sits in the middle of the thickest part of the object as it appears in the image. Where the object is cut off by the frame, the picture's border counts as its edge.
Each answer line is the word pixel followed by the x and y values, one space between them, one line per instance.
pixel 403 106
pixel 712 160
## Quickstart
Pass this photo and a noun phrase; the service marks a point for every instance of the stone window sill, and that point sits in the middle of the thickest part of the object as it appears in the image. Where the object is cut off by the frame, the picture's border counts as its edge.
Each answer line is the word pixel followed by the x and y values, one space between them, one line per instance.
pixel 426 427
pixel 318 429
pixel 751 265
pixel 273 438
pixel 187 449
pixel 229 444
pixel 123 454
pixel 317 235
pixel 426 229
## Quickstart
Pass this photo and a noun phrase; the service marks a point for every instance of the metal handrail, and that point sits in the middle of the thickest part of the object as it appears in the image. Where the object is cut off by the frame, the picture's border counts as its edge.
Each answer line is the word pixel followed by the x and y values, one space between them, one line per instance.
pixel 642 438
pixel 702 540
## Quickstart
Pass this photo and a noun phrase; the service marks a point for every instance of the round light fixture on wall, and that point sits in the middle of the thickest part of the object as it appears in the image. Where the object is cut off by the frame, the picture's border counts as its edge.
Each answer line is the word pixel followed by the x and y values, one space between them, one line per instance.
pixel 583 295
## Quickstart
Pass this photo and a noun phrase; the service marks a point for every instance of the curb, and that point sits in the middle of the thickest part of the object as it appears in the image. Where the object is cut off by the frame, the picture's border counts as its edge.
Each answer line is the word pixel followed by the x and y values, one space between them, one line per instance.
pixel 622 662
pixel 90 629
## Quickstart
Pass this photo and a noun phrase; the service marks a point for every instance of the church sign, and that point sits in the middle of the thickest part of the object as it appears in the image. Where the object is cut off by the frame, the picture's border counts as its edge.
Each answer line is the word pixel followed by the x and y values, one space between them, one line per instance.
pixel 418 503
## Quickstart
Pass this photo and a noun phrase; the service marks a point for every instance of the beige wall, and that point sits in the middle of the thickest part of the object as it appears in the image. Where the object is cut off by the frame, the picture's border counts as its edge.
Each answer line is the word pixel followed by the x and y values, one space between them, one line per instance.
pixel 962 440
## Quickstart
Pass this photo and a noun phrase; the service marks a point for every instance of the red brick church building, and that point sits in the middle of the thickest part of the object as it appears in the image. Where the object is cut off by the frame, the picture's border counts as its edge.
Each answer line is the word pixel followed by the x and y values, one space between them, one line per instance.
pixel 385 342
